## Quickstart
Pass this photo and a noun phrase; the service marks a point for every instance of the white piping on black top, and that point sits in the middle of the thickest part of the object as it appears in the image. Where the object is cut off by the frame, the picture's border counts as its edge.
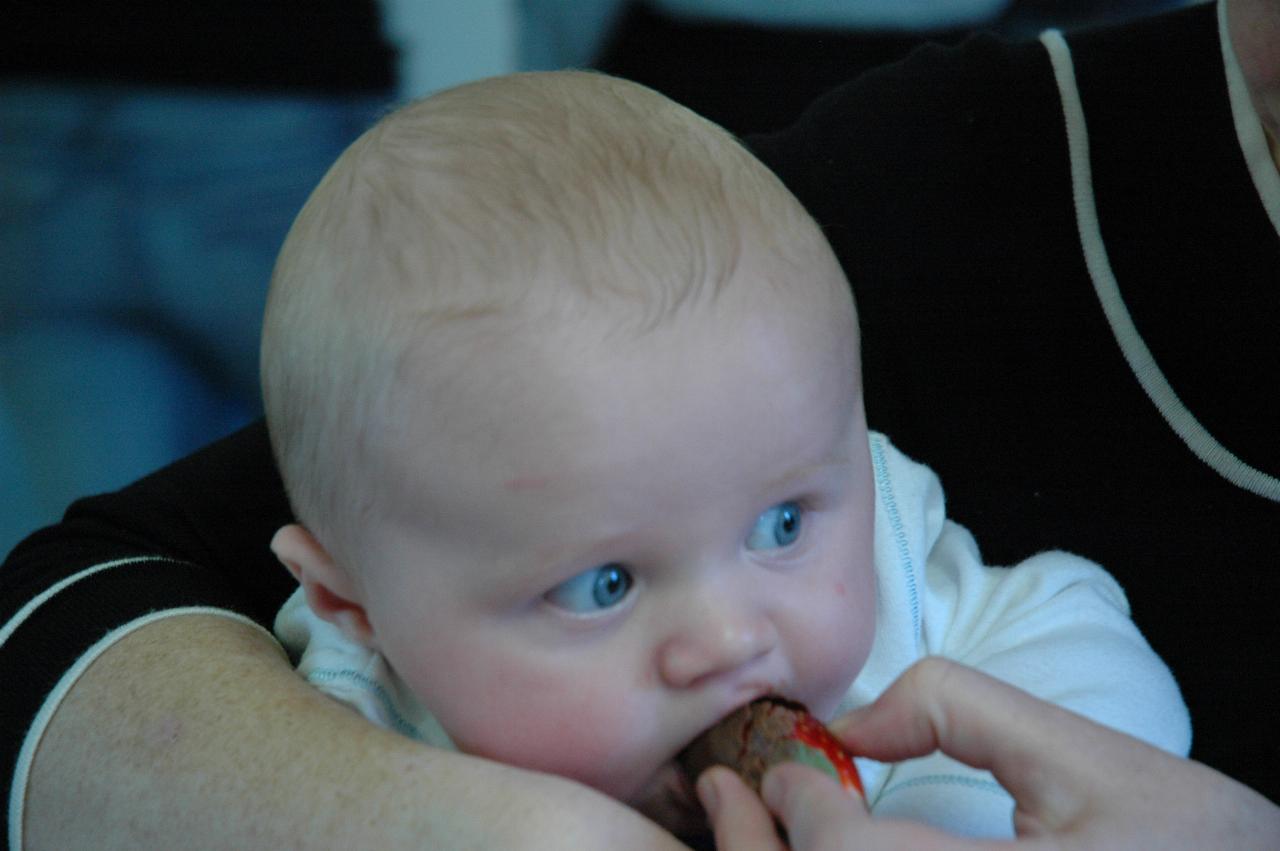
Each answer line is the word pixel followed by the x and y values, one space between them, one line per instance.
pixel 1204 445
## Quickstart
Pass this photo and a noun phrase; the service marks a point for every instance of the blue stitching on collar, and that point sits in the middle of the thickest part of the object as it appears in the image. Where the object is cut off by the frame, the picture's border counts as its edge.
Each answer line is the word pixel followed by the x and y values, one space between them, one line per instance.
pixel 896 527
pixel 397 720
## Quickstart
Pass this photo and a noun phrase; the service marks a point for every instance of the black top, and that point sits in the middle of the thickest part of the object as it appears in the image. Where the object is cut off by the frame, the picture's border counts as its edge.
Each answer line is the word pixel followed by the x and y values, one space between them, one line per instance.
pixel 944 184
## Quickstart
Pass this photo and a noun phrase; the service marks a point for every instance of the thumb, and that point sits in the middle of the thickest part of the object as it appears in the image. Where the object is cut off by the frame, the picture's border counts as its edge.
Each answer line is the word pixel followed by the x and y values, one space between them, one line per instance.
pixel 737 817
pixel 814 809
pixel 818 814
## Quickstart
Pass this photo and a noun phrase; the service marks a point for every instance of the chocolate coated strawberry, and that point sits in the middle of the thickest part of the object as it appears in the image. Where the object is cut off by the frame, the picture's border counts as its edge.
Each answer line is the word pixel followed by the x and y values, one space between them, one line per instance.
pixel 765 732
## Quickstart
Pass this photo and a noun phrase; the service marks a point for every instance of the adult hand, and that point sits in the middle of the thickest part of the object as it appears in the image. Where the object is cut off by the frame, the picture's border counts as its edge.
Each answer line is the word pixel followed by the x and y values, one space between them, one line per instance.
pixel 1077 785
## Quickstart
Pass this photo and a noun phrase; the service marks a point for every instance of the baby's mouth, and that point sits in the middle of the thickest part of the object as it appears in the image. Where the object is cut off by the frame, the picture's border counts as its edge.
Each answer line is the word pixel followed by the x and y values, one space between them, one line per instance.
pixel 669 797
pixel 670 800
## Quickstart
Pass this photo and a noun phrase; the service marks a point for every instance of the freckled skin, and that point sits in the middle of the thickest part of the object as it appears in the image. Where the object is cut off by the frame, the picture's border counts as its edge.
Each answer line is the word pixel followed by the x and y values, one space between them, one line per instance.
pixel 527 483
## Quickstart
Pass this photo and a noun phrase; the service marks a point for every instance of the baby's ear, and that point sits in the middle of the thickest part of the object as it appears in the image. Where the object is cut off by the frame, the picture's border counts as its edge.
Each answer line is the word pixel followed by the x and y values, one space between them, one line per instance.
pixel 329 590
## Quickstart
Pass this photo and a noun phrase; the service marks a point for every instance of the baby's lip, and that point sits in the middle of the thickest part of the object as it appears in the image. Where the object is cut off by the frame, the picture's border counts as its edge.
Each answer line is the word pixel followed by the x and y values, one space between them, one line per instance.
pixel 682 788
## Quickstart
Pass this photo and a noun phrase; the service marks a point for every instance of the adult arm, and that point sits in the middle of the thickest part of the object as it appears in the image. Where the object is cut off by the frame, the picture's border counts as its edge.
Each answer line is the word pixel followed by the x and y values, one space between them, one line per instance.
pixel 1077 784
pixel 194 732
pixel 189 537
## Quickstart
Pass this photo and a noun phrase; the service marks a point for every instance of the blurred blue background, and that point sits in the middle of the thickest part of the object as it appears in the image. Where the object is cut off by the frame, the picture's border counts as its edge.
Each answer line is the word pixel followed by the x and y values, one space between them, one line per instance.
pixel 151 163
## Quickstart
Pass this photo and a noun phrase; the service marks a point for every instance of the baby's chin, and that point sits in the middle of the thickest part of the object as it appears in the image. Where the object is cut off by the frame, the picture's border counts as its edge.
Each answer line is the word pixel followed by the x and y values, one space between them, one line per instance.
pixel 668 799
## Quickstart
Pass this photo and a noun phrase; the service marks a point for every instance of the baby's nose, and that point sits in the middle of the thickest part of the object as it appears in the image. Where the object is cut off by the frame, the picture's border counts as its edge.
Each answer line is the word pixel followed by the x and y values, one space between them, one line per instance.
pixel 715 641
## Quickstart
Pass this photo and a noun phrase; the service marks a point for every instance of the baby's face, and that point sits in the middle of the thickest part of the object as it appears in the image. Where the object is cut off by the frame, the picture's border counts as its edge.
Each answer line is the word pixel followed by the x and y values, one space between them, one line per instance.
pixel 616 538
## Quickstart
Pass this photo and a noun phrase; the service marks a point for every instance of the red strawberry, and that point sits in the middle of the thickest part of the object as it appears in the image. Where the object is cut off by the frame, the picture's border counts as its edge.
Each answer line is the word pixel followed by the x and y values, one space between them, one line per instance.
pixel 812 732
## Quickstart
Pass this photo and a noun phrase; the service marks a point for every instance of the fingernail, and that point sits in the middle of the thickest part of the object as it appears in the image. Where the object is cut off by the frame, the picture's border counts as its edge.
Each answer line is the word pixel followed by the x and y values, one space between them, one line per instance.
pixel 707 793
pixel 849 719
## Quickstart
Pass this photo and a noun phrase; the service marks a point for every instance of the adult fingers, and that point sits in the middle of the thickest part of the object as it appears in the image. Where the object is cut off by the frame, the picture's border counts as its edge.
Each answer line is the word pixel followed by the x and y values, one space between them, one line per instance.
pixel 928 707
pixel 1077 784
pixel 821 816
pixel 1044 755
pixel 738 817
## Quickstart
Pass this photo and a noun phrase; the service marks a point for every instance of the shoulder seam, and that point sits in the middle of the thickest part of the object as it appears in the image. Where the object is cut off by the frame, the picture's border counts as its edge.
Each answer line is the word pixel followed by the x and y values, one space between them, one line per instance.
pixel 53 590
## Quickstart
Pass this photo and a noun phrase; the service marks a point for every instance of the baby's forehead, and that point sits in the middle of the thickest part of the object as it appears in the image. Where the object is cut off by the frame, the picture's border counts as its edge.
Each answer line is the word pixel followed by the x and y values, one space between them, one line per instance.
pixel 548 359
pixel 705 408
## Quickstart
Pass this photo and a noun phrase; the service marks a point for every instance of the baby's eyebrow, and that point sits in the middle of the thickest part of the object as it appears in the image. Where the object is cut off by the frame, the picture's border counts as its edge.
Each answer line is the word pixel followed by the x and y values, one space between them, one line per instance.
pixel 809 471
pixel 526 483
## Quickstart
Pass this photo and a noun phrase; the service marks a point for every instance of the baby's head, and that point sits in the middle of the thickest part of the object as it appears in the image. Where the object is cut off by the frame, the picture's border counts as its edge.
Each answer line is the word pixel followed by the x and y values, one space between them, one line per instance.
pixel 565 389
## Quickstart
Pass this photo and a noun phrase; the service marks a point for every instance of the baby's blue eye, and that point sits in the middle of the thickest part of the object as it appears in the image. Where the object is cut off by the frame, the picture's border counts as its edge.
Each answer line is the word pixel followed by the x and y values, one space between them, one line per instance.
pixel 778 527
pixel 592 590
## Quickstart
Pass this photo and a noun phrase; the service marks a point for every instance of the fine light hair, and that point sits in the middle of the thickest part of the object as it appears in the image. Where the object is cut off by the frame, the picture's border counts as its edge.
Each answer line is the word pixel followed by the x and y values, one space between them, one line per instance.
pixel 552 194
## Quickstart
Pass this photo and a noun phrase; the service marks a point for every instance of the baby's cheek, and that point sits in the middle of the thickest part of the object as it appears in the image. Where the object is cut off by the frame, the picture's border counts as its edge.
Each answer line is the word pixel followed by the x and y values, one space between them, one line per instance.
pixel 547 736
pixel 835 638
pixel 573 728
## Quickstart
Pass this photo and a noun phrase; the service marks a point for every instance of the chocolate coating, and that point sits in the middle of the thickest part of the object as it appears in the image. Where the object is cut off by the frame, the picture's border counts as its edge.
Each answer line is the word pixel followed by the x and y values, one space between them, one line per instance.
pixel 751 739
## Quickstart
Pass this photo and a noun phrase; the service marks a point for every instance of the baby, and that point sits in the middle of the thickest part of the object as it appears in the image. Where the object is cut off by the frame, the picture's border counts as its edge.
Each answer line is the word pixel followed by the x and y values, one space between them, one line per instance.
pixel 565 388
